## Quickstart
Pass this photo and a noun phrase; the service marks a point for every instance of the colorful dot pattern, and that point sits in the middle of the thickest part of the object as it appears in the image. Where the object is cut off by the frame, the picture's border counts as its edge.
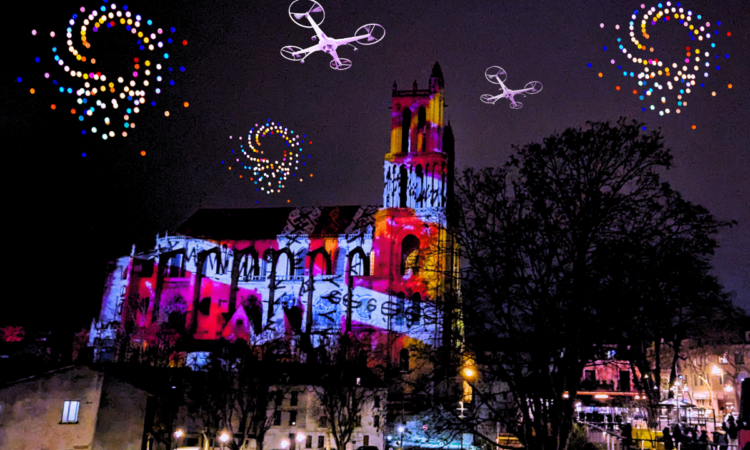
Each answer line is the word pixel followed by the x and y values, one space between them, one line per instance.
pixel 107 104
pixel 270 172
pixel 665 84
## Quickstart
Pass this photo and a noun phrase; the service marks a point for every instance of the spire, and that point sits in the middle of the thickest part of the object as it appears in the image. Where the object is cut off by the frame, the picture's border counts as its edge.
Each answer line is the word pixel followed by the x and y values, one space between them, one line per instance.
pixel 437 76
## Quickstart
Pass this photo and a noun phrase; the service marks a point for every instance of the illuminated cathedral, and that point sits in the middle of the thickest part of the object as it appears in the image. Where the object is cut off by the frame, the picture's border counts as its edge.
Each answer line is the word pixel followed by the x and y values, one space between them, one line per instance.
pixel 304 275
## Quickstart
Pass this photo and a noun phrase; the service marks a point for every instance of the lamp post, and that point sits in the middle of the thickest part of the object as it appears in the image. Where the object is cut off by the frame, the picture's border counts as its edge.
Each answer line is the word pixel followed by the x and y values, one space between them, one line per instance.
pixel 224 438
pixel 401 440
pixel 177 436
pixel 284 444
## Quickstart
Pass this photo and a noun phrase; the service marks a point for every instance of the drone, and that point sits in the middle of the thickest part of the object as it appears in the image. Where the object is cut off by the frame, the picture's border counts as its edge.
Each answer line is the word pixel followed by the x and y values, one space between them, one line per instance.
pixel 311 10
pixel 497 75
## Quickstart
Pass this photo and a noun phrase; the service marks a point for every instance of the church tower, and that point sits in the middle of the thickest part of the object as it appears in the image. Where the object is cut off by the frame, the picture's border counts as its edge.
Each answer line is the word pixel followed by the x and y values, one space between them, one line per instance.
pixel 416 167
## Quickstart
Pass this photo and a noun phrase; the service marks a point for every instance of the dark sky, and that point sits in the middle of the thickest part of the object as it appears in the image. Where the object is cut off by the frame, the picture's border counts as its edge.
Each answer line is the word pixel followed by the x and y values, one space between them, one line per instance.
pixel 69 215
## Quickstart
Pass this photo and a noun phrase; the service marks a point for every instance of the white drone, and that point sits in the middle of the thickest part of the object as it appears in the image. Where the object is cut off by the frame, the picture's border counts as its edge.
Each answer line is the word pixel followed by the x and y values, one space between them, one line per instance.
pixel 497 75
pixel 369 34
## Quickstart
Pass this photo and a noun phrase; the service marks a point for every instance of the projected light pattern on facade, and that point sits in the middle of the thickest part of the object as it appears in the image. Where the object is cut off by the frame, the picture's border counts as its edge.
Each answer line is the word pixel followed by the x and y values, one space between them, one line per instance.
pixel 310 273
pixel 107 93
pixel 270 172
pixel 664 84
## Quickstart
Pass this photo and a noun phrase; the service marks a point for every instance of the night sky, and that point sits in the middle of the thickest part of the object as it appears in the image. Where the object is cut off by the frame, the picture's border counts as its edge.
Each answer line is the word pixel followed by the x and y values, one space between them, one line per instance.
pixel 69 215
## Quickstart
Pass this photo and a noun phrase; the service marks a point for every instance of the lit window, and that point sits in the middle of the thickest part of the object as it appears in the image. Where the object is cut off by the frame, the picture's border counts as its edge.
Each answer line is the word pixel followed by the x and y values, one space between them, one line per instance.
pixel 70 411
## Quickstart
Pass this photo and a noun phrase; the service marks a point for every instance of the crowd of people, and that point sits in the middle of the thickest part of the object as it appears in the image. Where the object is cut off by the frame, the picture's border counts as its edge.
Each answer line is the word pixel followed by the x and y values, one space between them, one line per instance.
pixel 695 438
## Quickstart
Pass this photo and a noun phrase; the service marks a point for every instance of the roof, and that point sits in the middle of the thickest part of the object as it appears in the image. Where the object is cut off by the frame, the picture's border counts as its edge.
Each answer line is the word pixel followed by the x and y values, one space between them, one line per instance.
pixel 267 223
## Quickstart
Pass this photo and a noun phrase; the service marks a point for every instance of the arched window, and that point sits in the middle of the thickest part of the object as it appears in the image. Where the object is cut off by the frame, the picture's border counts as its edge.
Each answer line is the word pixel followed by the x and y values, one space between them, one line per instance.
pixel 284 265
pixel 359 264
pixel 320 263
pixel 176 266
pixel 410 255
pixel 421 117
pixel 403 357
pixel 405 127
pixel 403 185
pixel 248 267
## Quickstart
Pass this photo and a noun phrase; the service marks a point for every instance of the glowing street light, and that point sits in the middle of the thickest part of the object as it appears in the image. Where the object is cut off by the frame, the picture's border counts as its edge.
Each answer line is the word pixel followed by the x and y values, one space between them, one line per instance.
pixel 716 371
pixel 299 438
pixel 469 372
pixel 728 388
pixel 178 434
pixel 284 444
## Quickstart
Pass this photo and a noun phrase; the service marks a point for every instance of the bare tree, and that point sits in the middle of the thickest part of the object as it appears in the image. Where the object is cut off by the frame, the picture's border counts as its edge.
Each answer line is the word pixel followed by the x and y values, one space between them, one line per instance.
pixel 346 387
pixel 565 248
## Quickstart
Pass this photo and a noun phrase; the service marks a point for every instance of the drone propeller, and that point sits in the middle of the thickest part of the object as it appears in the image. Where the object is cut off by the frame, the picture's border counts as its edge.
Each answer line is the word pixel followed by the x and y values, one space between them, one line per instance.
pixel 314 13
pixel 372 33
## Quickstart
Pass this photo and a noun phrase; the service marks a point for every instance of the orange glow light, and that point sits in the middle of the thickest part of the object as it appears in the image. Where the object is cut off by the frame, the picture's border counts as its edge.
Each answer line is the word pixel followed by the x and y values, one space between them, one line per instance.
pixel 186 104
pixel 729 86
pixel 143 152
pixel 53 107
pixel 618 88
pixel 32 90
pixel 693 127
pixel 72 111
pixel 600 75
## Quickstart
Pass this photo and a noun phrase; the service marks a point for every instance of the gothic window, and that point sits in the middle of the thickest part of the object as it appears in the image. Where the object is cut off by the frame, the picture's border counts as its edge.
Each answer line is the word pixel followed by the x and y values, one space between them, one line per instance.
pixel 248 267
pixel 410 255
pixel 403 180
pixel 359 266
pixel 320 263
pixel 176 266
pixel 405 127
pixel 283 264
pixel 421 117
pixel 321 441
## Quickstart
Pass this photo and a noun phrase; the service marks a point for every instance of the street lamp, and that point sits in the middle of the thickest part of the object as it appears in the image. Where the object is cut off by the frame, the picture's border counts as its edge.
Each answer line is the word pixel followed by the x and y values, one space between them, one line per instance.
pixel 401 430
pixel 178 434
pixel 299 438
pixel 284 444
pixel 223 438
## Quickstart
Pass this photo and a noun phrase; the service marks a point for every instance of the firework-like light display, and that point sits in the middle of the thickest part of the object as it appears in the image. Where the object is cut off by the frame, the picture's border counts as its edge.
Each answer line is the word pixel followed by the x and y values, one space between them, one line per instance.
pixel 270 172
pixel 665 84
pixel 107 104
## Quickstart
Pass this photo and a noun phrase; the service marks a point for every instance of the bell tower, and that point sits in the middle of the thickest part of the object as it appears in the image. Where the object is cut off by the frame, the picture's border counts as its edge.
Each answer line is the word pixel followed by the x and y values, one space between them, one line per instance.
pixel 418 165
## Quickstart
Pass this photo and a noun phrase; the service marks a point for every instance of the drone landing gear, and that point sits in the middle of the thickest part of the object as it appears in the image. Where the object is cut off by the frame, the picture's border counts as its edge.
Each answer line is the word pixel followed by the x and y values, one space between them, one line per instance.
pixel 341 64
pixel 516 105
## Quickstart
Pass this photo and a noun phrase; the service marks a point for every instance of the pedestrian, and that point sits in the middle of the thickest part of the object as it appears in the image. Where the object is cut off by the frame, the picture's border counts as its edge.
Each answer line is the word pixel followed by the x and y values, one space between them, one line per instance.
pixel 667 438
pixel 731 429
pixel 626 430
pixel 703 440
